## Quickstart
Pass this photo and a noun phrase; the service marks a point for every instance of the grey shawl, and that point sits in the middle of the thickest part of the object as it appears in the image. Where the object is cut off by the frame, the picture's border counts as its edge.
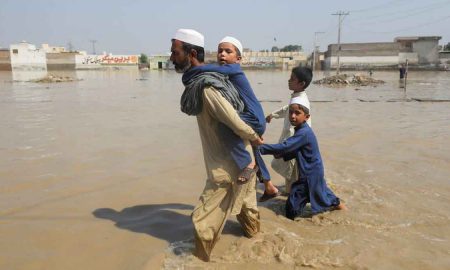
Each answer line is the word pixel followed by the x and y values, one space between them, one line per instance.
pixel 192 98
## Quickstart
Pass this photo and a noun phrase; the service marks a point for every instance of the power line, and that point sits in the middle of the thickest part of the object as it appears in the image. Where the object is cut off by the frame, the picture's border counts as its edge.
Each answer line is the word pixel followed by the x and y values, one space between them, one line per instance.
pixel 425 24
pixel 416 10
pixel 378 6
pixel 404 29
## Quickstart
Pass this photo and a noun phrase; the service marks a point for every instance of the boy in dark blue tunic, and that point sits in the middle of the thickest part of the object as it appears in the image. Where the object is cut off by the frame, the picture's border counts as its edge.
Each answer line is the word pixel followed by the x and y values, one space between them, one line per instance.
pixel 228 56
pixel 311 185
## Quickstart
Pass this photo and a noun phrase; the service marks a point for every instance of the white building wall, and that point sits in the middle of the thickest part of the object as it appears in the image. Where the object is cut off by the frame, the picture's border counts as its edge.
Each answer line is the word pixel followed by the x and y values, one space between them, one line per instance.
pixel 427 50
pixel 83 61
pixel 25 56
pixel 369 60
pixel 374 61
pixel 412 58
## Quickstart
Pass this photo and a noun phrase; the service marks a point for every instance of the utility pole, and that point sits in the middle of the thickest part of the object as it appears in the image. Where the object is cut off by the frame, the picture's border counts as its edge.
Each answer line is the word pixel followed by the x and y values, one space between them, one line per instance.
pixel 406 75
pixel 341 15
pixel 315 48
pixel 70 46
pixel 93 41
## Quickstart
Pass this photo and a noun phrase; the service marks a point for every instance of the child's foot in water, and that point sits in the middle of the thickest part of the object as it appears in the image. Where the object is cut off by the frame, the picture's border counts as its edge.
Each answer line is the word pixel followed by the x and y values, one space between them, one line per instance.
pixel 246 174
pixel 341 206
pixel 270 191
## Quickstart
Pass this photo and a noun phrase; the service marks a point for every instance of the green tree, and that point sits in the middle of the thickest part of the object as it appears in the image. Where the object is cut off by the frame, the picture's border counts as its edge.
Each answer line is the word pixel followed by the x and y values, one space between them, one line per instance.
pixel 291 48
pixel 447 47
pixel 275 49
pixel 143 59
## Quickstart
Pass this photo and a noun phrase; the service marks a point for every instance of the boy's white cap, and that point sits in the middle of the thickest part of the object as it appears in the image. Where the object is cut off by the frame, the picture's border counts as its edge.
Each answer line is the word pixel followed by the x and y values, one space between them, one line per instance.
pixel 190 36
pixel 302 100
pixel 233 41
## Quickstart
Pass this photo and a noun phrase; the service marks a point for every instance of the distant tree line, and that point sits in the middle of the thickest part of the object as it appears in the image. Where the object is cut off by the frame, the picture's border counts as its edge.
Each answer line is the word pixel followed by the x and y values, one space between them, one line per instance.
pixel 143 58
pixel 447 47
pixel 287 48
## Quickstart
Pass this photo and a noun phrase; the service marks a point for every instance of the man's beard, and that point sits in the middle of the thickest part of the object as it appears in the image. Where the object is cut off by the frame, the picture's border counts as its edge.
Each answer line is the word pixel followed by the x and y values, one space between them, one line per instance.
pixel 183 67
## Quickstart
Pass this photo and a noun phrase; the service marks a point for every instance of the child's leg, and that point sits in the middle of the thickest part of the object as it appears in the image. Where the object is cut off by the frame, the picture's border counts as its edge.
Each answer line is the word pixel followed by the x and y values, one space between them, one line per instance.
pixel 297 200
pixel 270 191
pixel 322 198
pixel 236 145
pixel 264 172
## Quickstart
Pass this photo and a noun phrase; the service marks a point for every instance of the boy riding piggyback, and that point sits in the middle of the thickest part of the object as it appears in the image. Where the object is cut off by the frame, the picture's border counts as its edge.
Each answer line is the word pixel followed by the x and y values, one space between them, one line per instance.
pixel 229 55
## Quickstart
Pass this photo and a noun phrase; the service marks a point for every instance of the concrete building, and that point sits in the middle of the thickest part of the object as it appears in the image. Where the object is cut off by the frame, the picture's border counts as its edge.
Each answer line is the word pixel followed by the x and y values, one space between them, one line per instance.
pixel 444 60
pixel 316 60
pixel 159 61
pixel 61 61
pixel 5 60
pixel 25 56
pixel 283 60
pixel 53 49
pixel 426 48
pixel 419 51
pixel 254 59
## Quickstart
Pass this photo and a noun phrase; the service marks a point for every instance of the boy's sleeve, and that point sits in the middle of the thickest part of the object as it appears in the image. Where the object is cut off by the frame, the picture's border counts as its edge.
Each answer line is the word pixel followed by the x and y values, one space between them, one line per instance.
pixel 289 156
pixel 287 148
pixel 280 113
pixel 225 113
pixel 227 69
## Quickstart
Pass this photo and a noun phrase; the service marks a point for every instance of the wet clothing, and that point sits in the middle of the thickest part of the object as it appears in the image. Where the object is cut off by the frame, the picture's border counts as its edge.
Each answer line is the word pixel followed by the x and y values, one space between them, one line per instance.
pixel 191 100
pixel 287 169
pixel 311 185
pixel 222 196
pixel 252 114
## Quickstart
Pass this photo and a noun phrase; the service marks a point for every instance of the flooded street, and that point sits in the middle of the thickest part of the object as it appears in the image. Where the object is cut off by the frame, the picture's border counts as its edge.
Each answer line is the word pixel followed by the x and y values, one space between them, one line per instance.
pixel 103 173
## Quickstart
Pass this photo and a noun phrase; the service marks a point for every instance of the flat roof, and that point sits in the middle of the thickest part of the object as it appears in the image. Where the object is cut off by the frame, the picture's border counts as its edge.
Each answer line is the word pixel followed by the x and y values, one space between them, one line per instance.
pixel 417 38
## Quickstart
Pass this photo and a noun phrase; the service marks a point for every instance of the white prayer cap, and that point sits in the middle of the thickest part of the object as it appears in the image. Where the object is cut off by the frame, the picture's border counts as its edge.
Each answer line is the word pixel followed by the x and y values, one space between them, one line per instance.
pixel 302 100
pixel 233 41
pixel 190 36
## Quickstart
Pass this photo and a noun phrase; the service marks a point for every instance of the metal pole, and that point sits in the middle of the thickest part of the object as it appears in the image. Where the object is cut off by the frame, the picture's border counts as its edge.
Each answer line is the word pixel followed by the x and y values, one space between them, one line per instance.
pixel 315 49
pixel 93 45
pixel 314 54
pixel 405 75
pixel 340 13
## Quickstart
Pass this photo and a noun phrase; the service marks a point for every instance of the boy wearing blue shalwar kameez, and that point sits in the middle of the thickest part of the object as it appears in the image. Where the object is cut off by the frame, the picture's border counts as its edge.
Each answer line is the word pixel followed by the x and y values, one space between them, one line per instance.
pixel 311 185
pixel 228 56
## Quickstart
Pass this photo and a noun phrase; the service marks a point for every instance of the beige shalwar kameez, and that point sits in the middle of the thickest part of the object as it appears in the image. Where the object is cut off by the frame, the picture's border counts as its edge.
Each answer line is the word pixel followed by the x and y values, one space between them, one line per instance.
pixel 221 195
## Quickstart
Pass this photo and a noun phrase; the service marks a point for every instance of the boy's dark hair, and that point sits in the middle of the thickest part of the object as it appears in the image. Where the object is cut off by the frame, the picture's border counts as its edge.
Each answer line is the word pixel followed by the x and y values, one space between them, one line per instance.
pixel 187 47
pixel 303 74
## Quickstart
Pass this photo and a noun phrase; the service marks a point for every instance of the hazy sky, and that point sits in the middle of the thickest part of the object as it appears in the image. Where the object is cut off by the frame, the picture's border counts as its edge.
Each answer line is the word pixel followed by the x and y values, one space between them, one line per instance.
pixel 135 26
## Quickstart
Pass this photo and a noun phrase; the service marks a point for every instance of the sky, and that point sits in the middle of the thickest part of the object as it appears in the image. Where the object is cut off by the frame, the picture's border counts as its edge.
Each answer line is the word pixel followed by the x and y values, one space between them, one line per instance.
pixel 146 26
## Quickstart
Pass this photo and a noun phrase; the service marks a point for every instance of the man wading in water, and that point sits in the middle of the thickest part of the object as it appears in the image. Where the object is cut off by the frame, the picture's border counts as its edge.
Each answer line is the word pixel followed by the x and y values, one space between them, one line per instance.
pixel 214 101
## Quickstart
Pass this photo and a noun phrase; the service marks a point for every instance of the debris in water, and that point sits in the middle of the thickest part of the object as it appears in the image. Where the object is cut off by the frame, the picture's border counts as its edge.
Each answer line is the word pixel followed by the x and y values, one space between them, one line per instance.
pixel 344 79
pixel 55 79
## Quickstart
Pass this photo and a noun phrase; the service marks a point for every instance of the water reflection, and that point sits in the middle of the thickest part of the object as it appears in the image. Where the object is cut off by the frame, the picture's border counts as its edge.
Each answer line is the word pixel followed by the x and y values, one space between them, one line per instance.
pixel 28 75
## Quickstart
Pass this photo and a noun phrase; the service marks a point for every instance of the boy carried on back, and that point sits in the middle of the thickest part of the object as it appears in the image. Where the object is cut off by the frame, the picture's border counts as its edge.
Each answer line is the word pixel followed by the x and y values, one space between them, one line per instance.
pixel 228 56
